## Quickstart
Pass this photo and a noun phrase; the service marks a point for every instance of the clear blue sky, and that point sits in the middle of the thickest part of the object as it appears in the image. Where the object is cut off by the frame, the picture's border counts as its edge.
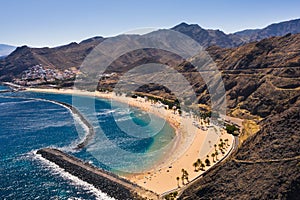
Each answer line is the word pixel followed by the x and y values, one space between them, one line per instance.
pixel 56 22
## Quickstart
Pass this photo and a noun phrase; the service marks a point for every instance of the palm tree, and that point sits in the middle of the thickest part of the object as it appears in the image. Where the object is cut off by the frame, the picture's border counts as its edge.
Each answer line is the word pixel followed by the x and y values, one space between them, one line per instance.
pixel 177 178
pixel 202 166
pixel 213 156
pixel 207 162
pixel 182 179
pixel 221 146
pixel 195 164
pixel 186 176
pixel 215 147
pixel 216 154
pixel 226 140
pixel 199 163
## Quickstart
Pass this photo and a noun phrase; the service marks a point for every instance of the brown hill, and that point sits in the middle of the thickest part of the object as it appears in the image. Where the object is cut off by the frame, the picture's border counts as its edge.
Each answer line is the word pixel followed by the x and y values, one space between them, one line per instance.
pixel 63 57
pixel 261 78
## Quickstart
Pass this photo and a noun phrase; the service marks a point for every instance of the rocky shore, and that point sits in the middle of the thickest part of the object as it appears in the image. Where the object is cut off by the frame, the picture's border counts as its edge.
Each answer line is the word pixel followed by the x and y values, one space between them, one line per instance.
pixel 107 182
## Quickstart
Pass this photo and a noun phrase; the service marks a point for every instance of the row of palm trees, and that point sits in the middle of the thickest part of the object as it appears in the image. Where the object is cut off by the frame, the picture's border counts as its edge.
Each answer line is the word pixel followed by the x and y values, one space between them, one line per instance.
pixel 222 147
pixel 200 165
pixel 184 176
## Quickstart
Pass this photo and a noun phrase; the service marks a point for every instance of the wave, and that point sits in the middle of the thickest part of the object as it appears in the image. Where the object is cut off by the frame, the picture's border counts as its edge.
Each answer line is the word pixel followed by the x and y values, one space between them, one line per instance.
pixel 56 170
pixel 15 102
pixel 105 112
pixel 123 111
pixel 77 116
pixel 45 125
pixel 121 119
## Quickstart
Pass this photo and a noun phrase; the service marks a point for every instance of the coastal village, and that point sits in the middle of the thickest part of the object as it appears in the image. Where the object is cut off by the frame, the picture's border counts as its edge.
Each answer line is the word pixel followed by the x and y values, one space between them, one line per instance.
pixel 39 75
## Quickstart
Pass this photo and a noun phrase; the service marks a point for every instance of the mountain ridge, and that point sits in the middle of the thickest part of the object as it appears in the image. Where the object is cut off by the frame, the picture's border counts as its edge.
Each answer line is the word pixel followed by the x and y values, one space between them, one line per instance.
pixel 71 55
pixel 275 29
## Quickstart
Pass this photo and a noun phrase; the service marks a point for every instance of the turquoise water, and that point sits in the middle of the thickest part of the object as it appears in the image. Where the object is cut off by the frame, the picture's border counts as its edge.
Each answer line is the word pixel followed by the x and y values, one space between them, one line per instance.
pixel 27 124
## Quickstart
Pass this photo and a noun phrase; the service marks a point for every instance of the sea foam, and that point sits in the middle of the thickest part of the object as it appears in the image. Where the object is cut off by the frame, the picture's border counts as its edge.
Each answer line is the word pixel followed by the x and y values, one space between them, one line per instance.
pixel 56 170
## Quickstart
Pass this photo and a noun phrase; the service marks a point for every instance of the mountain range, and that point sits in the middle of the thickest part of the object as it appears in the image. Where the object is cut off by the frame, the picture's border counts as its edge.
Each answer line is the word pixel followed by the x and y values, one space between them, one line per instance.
pixel 216 37
pixel 73 54
pixel 260 70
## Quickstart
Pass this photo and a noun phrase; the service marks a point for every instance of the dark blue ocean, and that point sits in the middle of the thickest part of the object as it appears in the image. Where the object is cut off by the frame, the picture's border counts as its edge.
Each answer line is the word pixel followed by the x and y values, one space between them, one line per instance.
pixel 27 123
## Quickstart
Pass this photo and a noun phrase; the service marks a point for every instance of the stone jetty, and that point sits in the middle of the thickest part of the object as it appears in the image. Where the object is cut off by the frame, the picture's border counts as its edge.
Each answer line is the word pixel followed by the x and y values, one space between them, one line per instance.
pixel 107 182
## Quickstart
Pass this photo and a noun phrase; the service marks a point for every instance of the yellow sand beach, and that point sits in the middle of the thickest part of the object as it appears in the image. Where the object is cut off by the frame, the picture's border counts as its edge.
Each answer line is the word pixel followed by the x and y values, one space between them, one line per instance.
pixel 191 143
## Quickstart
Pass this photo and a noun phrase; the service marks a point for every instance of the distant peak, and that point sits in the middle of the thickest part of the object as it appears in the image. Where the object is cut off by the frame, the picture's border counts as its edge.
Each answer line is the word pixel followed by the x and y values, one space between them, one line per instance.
pixel 23 47
pixel 186 25
pixel 183 24
pixel 91 39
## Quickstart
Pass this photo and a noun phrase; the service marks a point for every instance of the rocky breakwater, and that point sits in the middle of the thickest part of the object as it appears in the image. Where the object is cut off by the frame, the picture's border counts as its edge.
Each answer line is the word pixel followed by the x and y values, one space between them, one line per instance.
pixel 107 182
pixel 89 136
